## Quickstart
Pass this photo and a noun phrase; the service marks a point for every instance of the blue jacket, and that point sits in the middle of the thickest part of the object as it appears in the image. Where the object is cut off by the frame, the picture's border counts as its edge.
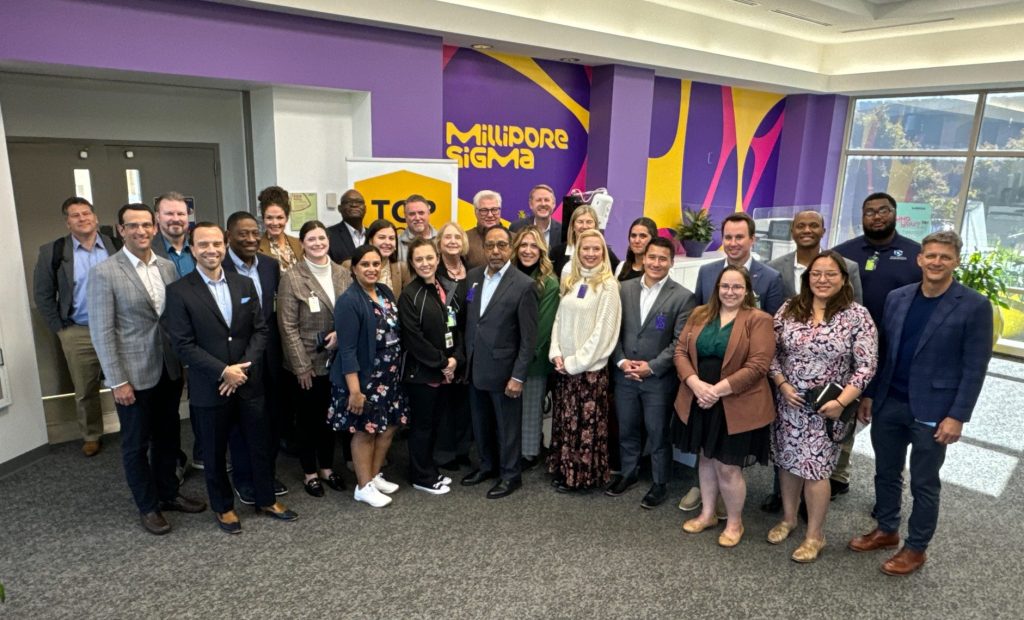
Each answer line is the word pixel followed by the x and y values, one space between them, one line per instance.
pixel 951 358
pixel 356 327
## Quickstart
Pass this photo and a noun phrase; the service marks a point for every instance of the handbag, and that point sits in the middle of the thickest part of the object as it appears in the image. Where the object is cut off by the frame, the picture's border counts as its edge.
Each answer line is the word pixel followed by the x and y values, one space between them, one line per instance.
pixel 817 397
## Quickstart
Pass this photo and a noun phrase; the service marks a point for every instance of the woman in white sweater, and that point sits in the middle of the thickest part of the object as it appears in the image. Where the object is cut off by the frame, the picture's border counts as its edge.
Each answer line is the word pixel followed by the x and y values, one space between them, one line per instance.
pixel 584 334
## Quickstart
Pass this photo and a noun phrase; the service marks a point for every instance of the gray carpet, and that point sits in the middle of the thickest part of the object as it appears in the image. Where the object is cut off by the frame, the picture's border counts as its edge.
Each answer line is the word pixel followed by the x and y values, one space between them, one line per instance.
pixel 71 547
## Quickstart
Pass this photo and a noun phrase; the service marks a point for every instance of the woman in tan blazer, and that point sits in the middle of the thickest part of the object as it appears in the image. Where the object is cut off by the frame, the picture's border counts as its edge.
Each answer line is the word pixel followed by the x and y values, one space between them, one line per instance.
pixel 305 315
pixel 724 404
pixel 382 235
pixel 275 208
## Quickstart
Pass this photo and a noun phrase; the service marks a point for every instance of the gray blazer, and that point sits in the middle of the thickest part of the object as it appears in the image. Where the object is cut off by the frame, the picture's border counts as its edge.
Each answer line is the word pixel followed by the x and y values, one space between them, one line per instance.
pixel 784 265
pixel 655 340
pixel 500 342
pixel 54 290
pixel 125 325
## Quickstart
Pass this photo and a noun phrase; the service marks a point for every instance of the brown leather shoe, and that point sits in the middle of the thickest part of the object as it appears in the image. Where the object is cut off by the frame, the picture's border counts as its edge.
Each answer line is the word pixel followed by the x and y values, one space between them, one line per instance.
pixel 155 523
pixel 874 540
pixel 904 562
pixel 91 448
pixel 183 504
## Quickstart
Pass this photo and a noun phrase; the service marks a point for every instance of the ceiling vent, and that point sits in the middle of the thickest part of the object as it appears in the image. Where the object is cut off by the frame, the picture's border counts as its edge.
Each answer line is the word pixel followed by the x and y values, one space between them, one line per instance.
pixel 802 18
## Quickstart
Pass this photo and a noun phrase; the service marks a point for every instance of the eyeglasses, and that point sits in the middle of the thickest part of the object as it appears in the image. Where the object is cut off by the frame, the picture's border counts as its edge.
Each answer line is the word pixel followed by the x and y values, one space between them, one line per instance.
pixel 824 275
pixel 491 211
pixel 883 211
pixel 725 288
pixel 137 226
pixel 501 245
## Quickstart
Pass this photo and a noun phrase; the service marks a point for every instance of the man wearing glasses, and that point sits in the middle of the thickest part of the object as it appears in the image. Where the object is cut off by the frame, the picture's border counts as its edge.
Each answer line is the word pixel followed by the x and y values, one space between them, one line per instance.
pixel 487 206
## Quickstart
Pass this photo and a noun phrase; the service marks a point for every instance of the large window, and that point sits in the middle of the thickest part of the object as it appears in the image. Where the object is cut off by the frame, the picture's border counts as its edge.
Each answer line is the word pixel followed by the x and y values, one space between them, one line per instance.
pixel 952 162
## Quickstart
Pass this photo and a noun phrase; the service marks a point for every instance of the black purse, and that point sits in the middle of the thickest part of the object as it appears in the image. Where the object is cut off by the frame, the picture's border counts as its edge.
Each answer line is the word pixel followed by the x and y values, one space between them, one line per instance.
pixel 817 397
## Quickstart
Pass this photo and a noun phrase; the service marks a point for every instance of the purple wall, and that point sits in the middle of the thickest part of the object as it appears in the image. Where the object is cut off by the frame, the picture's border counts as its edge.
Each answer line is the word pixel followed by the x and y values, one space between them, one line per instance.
pixel 621 100
pixel 176 37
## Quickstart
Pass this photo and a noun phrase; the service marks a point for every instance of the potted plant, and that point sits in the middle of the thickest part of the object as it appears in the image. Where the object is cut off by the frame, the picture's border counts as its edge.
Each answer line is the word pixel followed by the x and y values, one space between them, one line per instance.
pixel 695 231
pixel 986 273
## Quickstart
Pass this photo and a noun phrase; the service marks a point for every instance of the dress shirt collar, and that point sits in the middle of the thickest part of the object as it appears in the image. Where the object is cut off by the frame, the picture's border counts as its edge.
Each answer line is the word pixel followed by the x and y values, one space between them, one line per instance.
pixel 240 264
pixel 499 273
pixel 75 243
pixel 654 288
pixel 136 261
pixel 209 280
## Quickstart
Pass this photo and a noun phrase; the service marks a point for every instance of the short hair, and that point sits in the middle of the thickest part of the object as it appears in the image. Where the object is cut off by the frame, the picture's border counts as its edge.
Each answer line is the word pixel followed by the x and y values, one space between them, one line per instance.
pixel 358 255
pixel 741 216
pixel 134 206
pixel 417 243
pixel 945 237
pixel 75 200
pixel 274 195
pixel 192 233
pixel 462 233
pixel 540 186
pixel 238 216
pixel 662 242
pixel 418 198
pixel 508 233
pixel 172 196
pixel 821 217
pixel 310 226
pixel 485 194
pixel 879 196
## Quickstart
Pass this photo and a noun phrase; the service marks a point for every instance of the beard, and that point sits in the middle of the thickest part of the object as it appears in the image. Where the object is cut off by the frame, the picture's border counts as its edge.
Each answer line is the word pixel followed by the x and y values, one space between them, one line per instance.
pixel 881 234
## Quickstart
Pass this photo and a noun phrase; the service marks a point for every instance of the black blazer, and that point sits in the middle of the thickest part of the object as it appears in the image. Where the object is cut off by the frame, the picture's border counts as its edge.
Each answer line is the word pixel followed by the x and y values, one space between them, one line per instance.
pixel 270 278
pixel 205 344
pixel 341 248
pixel 424 320
pixel 500 342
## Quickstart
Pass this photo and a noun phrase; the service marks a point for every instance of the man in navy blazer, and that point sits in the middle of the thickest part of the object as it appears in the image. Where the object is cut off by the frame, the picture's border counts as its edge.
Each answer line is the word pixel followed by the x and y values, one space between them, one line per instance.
pixel 938 342
pixel 501 329
pixel 542 205
pixel 737 241
pixel 214 322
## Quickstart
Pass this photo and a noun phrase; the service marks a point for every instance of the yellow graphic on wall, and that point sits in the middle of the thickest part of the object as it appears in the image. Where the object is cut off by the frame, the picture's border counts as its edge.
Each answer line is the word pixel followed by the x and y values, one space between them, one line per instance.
pixel 385 197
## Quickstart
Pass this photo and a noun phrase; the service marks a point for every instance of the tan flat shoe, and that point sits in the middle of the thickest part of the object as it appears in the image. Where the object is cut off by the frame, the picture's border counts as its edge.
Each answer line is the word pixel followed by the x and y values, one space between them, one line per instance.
pixel 808 550
pixel 726 540
pixel 780 532
pixel 696 525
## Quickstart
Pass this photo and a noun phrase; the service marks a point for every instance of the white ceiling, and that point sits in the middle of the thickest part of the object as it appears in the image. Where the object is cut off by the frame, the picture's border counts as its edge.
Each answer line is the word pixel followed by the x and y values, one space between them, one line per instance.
pixel 844 46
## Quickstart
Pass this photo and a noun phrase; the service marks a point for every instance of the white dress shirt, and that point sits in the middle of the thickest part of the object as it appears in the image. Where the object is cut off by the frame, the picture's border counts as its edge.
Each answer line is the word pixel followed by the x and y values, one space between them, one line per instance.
pixel 149 273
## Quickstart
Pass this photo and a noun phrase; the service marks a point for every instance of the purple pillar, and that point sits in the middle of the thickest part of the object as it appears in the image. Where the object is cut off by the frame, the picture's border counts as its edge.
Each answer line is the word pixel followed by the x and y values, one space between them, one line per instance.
pixel 810 153
pixel 621 99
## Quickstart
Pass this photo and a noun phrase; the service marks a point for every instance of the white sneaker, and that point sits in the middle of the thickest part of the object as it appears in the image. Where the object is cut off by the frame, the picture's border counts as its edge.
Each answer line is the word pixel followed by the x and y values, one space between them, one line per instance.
pixel 444 479
pixel 370 495
pixel 438 488
pixel 383 485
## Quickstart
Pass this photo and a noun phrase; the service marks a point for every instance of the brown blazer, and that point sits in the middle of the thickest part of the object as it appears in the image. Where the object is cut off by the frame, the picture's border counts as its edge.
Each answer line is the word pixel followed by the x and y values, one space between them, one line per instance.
pixel 745 366
pixel 300 326
pixel 295 244
pixel 476 256
pixel 400 275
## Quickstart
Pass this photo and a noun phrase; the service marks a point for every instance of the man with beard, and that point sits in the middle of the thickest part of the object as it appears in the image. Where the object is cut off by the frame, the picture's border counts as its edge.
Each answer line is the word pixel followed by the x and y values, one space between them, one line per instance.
pixel 171 240
pixel 417 222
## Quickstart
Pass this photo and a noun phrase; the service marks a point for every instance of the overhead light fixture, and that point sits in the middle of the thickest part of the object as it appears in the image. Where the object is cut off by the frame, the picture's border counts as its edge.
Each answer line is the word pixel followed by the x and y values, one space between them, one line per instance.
pixel 802 18
pixel 481 46
pixel 83 154
pixel 569 59
pixel 907 25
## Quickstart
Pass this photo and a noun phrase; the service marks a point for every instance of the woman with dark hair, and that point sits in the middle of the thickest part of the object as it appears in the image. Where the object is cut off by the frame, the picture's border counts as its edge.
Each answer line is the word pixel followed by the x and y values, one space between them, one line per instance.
pixel 641 231
pixel 275 208
pixel 724 403
pixel 823 337
pixel 383 235
pixel 429 312
pixel 367 399
pixel 530 255
pixel 305 314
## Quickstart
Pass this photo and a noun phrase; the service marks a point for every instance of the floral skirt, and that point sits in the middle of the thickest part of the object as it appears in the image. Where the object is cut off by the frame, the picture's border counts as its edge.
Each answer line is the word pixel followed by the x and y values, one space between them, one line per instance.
pixel 579 430
pixel 386 403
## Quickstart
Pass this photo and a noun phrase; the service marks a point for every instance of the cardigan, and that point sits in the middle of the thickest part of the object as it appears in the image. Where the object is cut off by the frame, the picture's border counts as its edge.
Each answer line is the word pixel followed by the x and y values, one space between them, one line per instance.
pixel 356 327
pixel 587 326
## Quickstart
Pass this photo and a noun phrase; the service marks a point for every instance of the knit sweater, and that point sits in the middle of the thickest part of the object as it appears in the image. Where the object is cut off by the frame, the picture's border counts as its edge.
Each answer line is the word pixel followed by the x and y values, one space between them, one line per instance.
pixel 586 327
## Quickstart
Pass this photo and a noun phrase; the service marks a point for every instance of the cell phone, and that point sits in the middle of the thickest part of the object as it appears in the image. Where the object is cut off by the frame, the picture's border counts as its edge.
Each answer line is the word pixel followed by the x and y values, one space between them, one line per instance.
pixel 321 342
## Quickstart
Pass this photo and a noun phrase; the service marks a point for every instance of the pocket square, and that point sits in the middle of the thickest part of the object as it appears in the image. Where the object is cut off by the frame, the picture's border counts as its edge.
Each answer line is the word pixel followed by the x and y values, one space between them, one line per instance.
pixel 245 300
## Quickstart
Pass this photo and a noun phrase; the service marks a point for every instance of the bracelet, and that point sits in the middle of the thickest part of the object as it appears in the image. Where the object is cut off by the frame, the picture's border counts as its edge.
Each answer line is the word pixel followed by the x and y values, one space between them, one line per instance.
pixel 840 403
pixel 782 384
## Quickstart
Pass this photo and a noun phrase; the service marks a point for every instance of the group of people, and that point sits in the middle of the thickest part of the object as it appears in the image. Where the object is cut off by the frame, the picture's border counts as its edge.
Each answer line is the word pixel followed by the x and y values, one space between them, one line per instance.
pixel 461 334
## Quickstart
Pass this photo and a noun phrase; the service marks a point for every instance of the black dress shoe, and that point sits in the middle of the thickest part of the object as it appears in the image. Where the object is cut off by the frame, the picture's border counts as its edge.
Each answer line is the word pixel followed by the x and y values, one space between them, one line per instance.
pixel 656 496
pixel 335 481
pixel 620 485
pixel 528 462
pixel 279 488
pixel 477 476
pixel 838 488
pixel 504 488
pixel 772 503
pixel 278 511
pixel 183 504
pixel 155 523
pixel 314 488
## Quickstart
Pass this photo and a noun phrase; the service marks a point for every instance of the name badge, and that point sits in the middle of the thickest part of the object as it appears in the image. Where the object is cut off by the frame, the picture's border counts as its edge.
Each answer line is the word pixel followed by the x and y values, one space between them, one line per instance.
pixel 872 263
pixel 314 304
pixel 660 322
pixel 471 294
pixel 449 340
pixel 583 291
pixel 451 318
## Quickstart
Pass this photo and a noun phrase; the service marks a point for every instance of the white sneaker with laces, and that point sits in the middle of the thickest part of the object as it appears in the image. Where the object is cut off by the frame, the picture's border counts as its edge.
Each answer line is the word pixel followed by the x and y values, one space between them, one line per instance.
pixel 445 480
pixel 438 488
pixel 383 485
pixel 370 495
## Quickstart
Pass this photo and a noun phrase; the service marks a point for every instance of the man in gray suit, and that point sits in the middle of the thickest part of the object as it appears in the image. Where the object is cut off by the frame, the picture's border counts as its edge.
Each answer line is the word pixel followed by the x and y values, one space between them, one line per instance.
pixel 501 327
pixel 654 311
pixel 126 296
pixel 60 287
pixel 807 229
pixel 542 205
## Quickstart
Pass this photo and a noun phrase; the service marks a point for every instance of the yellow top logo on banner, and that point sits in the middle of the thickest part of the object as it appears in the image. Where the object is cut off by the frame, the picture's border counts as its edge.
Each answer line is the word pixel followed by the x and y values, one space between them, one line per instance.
pixel 385 196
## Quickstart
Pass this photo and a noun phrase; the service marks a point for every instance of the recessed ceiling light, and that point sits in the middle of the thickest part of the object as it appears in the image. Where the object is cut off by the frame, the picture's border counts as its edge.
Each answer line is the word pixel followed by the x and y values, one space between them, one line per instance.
pixel 481 46
pixel 569 59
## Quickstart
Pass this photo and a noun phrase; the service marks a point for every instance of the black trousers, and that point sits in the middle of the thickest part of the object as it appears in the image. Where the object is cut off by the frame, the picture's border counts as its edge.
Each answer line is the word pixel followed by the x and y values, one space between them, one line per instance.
pixel 150 441
pixel 248 416
pixel 426 402
pixel 498 428
pixel 241 474
pixel 455 428
pixel 315 437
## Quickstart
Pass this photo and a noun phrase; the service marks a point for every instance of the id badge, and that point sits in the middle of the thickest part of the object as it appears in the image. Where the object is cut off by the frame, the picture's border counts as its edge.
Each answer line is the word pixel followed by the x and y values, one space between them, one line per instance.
pixel 314 304
pixel 583 291
pixel 451 319
pixel 449 340
pixel 660 322
pixel 872 263
pixel 471 294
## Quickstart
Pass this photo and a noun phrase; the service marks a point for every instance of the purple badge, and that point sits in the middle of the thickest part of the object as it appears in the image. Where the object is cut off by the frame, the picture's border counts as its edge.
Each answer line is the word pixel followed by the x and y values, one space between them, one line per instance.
pixel 471 294
pixel 660 322
pixel 583 291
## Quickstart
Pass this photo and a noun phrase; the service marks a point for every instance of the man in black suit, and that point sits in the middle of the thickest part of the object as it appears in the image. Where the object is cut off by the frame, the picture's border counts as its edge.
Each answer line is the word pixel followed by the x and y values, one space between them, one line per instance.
pixel 265 273
pixel 501 327
pixel 348 234
pixel 216 327
pixel 542 205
